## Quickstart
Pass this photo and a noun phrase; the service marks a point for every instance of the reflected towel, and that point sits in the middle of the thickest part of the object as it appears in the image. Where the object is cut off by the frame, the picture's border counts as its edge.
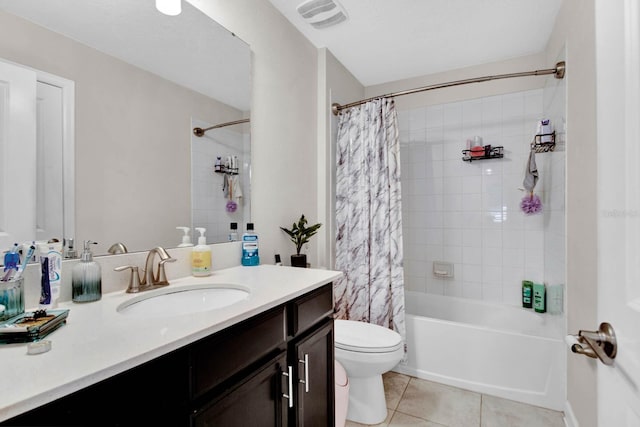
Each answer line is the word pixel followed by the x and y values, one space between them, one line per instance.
pixel 530 173
pixel 232 189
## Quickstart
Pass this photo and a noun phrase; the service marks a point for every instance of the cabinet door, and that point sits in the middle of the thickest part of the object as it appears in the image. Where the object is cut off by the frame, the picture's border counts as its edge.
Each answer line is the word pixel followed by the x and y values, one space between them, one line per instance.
pixel 315 401
pixel 258 401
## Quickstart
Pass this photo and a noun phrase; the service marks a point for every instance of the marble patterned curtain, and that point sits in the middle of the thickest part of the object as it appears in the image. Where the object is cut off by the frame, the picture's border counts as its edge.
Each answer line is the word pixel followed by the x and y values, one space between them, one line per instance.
pixel 368 216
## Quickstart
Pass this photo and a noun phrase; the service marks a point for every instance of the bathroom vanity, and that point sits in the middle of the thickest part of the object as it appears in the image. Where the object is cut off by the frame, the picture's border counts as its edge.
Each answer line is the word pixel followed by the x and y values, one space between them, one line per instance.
pixel 266 361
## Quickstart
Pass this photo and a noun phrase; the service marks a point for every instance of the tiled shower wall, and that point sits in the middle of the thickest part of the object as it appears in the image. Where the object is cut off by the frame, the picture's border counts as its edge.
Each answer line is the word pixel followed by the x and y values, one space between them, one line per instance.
pixel 208 204
pixel 467 213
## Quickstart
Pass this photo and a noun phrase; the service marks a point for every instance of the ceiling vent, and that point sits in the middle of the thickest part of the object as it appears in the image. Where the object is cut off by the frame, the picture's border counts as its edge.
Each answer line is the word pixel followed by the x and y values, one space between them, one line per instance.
pixel 322 13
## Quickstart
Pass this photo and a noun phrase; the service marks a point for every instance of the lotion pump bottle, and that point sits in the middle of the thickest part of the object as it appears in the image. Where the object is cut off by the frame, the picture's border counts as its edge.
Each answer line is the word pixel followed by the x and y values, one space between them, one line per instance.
pixel 201 256
pixel 186 238
pixel 86 277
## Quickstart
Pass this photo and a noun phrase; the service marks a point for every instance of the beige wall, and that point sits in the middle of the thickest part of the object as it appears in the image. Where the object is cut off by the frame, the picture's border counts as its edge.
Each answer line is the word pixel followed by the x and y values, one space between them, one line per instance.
pixel 335 84
pixel 575 29
pixel 283 119
pixel 133 175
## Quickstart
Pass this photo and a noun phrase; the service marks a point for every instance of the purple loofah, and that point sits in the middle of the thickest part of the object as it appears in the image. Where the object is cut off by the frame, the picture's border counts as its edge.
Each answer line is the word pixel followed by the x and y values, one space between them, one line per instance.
pixel 531 204
pixel 231 206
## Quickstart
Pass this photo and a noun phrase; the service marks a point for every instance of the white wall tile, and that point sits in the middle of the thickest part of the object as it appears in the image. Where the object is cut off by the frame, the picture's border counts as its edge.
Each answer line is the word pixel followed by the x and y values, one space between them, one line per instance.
pixel 452 115
pixel 452 237
pixel 417 118
pixel 472 290
pixel 452 185
pixel 452 254
pixel 472 112
pixel 435 115
pixel 469 213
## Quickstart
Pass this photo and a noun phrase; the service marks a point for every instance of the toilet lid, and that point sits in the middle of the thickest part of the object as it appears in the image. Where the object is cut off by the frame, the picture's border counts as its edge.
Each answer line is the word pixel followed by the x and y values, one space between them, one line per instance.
pixel 365 337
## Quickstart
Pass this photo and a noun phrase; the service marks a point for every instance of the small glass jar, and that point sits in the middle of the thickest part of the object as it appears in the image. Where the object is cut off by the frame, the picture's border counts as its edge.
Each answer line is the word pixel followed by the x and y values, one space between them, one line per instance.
pixel 11 298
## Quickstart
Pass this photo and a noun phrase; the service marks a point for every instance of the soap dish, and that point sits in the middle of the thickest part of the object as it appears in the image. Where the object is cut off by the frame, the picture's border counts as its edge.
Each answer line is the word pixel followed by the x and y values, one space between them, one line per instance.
pixel 31 326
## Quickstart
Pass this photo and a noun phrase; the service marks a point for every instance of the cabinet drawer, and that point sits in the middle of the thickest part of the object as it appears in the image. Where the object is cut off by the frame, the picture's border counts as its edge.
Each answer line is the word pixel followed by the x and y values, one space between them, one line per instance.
pixel 309 309
pixel 217 358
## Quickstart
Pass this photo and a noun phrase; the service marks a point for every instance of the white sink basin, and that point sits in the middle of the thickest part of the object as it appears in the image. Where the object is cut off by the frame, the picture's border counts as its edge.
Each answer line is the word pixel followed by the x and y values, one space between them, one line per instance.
pixel 182 300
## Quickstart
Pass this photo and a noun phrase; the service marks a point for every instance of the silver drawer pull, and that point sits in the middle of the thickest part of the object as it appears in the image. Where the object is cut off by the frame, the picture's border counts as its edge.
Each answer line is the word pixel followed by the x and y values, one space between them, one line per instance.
pixel 289 394
pixel 306 373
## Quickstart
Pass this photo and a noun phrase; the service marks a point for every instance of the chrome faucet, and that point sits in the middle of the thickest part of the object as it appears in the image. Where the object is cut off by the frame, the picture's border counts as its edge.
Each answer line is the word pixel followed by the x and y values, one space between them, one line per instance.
pixel 149 280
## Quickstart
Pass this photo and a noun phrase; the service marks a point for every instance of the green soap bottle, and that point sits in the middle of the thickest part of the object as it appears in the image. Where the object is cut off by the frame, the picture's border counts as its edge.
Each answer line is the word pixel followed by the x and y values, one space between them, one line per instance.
pixel 539 298
pixel 527 294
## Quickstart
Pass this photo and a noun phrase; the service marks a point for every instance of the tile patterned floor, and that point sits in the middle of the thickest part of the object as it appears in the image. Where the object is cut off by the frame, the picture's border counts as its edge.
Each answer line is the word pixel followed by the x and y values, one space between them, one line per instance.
pixel 420 403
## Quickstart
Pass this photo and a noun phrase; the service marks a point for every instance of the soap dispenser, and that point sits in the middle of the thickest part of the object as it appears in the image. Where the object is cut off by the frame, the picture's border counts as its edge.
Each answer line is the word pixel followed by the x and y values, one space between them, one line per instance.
pixel 86 277
pixel 201 256
pixel 186 238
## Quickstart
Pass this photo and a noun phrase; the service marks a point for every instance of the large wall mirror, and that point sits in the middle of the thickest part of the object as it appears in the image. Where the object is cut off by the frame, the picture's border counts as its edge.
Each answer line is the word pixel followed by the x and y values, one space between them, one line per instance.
pixel 130 86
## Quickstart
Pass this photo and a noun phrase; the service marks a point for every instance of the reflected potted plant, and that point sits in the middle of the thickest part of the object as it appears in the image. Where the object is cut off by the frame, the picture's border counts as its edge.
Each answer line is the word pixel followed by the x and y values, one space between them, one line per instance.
pixel 299 235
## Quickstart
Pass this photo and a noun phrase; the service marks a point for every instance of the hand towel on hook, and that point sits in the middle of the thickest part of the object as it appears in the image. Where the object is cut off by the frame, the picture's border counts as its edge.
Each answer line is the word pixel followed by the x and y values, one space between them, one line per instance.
pixel 531 203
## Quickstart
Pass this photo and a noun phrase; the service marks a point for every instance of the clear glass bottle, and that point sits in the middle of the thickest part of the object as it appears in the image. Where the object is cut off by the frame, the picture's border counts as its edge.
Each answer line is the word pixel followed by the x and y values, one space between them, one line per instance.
pixel 86 277
pixel 233 232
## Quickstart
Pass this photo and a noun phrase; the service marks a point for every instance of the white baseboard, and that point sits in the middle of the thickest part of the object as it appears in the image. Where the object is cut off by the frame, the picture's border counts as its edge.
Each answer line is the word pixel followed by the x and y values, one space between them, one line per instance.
pixel 569 418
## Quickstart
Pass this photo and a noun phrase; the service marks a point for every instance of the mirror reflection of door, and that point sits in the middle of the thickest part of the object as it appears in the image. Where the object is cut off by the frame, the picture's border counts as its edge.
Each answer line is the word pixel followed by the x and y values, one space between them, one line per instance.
pixel 37 156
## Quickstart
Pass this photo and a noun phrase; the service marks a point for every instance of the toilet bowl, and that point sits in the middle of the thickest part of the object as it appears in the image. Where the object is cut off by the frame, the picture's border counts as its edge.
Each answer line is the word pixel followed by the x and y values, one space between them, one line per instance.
pixel 366 351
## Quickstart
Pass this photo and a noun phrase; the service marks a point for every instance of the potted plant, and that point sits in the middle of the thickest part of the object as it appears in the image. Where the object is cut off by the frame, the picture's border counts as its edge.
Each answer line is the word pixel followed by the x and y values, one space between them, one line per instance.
pixel 299 235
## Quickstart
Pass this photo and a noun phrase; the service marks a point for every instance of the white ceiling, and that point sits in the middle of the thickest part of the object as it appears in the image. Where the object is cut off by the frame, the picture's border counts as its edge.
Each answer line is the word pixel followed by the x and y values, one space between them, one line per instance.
pixel 388 40
pixel 218 63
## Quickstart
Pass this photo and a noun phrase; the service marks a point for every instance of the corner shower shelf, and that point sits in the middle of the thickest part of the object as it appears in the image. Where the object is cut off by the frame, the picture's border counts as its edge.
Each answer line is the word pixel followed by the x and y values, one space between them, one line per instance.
pixel 544 147
pixel 489 153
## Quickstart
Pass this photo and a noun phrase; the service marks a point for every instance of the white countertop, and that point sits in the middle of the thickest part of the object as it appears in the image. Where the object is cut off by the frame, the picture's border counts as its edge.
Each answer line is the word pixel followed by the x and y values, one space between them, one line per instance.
pixel 98 342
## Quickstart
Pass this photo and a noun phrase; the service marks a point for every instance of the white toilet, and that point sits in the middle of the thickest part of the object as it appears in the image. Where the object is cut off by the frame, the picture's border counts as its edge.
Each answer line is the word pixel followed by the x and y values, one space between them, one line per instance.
pixel 366 351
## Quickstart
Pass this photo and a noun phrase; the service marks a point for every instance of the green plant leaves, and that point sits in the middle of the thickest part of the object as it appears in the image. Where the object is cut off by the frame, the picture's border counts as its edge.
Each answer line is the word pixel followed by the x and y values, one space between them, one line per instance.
pixel 300 233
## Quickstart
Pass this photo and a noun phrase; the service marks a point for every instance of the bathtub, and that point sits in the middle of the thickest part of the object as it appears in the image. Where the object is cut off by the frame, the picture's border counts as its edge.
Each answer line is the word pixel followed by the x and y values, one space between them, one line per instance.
pixel 500 350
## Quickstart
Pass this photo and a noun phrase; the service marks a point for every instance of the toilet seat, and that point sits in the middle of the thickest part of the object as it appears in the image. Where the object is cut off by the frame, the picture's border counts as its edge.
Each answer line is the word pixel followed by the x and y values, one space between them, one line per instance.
pixel 365 337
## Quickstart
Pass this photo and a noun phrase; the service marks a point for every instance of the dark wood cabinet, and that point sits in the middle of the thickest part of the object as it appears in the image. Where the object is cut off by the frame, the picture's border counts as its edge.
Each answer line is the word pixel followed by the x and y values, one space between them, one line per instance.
pixel 273 369
pixel 313 354
pixel 257 401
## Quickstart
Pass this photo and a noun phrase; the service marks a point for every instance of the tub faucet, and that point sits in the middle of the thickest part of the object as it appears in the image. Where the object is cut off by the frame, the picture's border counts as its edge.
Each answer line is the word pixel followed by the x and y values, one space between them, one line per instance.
pixel 117 248
pixel 159 278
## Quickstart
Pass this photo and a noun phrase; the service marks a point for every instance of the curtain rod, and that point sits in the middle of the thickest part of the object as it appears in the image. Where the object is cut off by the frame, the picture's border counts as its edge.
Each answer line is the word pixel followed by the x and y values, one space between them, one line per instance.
pixel 200 131
pixel 558 72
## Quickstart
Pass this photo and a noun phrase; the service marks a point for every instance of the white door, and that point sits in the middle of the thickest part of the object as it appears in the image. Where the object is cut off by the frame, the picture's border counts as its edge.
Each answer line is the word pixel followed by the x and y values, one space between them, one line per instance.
pixel 49 163
pixel 618 112
pixel 17 155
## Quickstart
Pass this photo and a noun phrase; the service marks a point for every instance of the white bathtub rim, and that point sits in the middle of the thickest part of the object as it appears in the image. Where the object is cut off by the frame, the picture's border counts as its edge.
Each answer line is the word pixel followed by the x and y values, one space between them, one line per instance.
pixel 555 329
pixel 486 328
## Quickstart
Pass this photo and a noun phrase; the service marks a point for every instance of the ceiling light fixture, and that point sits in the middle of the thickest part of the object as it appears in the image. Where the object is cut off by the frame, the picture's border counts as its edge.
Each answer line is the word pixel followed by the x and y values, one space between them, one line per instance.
pixel 322 13
pixel 169 7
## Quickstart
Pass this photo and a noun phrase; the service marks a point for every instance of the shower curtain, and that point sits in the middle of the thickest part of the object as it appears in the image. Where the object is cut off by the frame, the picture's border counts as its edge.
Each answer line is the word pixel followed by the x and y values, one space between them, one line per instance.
pixel 368 217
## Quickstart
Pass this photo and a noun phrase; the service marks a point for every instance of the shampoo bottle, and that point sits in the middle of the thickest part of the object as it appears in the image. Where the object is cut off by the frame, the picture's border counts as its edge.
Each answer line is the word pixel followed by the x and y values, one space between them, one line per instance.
pixel 250 255
pixel 201 256
pixel 186 238
pixel 539 298
pixel 527 294
pixel 86 277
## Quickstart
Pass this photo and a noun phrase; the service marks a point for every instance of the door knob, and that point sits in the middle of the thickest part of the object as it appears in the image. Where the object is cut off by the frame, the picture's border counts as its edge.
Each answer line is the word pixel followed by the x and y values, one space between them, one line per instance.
pixel 600 344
